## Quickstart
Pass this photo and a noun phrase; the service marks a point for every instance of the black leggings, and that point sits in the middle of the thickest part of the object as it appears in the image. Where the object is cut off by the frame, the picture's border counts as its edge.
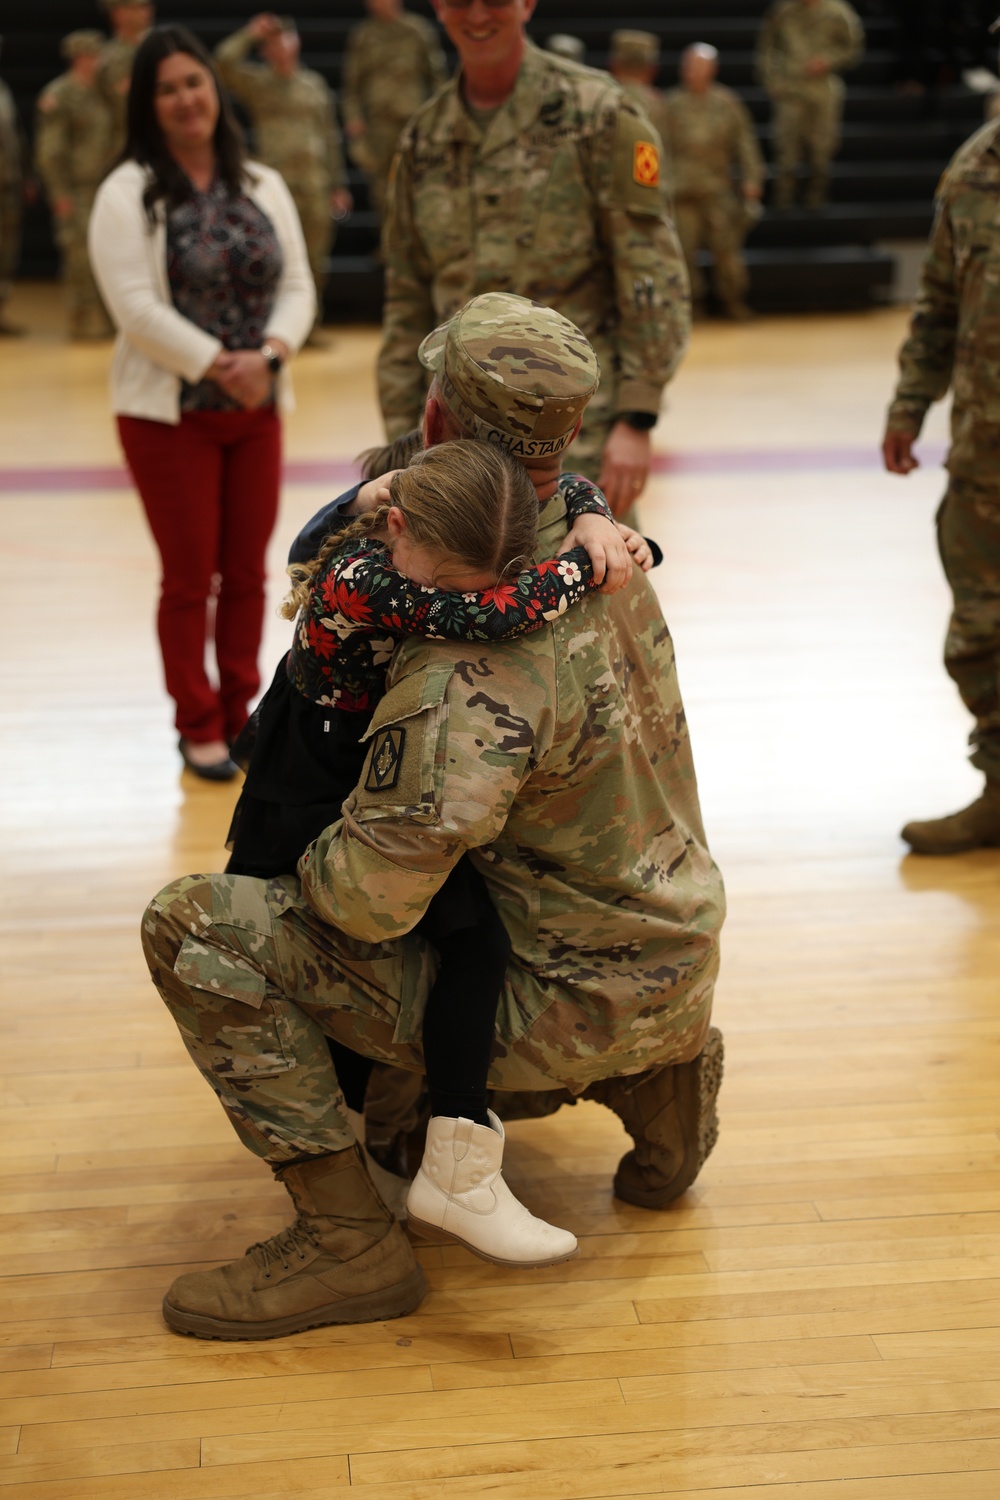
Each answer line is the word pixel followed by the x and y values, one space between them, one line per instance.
pixel 460 1016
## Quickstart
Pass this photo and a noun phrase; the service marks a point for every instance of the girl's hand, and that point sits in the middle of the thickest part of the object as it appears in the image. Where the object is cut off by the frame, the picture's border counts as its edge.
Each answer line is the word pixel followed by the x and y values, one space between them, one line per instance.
pixel 373 494
pixel 606 548
pixel 638 547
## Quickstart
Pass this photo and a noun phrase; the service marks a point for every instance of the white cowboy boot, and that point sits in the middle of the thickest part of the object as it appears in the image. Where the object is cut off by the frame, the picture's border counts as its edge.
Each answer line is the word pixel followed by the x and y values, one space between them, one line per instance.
pixel 459 1191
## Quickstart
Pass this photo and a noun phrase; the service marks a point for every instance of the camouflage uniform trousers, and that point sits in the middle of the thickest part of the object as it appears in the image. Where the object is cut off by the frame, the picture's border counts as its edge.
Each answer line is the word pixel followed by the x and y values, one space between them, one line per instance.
pixel 313 205
pixel 807 126
pixel 10 235
pixel 256 982
pixel 968 524
pixel 714 221
pixel 83 300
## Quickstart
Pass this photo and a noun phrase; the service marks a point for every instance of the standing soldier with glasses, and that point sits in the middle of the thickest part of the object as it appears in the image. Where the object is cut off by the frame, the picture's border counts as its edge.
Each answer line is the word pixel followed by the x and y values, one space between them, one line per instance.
pixel 718 177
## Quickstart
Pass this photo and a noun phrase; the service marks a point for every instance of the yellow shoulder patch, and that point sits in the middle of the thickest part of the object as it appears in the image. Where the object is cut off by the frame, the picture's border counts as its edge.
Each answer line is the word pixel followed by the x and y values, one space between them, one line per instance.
pixel 645 164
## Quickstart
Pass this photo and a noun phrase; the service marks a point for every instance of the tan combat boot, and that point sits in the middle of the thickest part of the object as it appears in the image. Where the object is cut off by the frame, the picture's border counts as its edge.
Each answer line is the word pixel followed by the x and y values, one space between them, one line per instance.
pixel 975 827
pixel 344 1260
pixel 671 1116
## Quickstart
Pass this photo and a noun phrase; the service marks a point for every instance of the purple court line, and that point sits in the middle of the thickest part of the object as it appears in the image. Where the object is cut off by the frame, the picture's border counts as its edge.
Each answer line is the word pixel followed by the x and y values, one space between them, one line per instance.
pixel 74 480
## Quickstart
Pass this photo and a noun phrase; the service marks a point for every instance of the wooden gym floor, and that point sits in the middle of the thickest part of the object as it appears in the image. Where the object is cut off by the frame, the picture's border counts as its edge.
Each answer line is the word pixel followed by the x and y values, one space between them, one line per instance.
pixel 819 1317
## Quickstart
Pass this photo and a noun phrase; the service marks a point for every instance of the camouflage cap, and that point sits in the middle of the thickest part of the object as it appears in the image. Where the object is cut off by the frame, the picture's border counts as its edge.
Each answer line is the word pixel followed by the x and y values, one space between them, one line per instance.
pixel 513 372
pixel 635 48
pixel 80 43
pixel 566 46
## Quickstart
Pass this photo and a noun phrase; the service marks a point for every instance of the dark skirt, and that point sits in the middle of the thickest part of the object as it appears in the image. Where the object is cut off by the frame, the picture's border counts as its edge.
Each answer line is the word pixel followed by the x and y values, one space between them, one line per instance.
pixel 305 759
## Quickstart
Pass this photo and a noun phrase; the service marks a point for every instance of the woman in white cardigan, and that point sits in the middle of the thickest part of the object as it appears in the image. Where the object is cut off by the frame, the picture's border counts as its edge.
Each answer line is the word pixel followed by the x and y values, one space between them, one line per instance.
pixel 200 258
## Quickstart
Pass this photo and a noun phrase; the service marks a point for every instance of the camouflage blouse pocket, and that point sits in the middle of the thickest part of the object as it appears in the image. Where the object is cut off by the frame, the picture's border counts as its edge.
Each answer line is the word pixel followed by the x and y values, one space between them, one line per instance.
pixel 243 1033
pixel 402 776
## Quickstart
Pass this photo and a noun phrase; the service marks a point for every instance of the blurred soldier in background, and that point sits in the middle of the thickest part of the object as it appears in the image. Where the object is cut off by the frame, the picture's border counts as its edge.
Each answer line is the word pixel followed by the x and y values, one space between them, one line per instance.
pixel 564 45
pixel 634 60
pixel 952 342
pixel 802 47
pixel 295 124
pixel 73 133
pixel 532 175
pixel 392 66
pixel 130 20
pixel 11 199
pixel 718 177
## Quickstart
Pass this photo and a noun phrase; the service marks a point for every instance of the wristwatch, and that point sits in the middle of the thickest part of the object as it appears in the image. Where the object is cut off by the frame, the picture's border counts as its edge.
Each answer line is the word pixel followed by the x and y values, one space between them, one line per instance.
pixel 642 421
pixel 274 360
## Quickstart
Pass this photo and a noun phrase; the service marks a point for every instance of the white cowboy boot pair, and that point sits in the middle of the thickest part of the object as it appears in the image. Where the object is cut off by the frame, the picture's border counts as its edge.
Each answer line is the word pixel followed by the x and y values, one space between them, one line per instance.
pixel 459 1192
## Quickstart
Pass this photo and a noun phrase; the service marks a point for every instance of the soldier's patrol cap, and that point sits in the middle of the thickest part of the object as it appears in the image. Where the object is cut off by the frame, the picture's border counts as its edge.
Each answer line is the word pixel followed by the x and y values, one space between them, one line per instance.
pixel 513 372
pixel 80 43
pixel 564 45
pixel 635 47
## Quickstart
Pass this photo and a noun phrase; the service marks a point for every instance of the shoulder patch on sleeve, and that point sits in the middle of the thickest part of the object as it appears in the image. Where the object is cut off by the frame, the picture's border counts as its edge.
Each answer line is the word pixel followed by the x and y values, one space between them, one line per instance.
pixel 635 180
pixel 646 164
pixel 385 760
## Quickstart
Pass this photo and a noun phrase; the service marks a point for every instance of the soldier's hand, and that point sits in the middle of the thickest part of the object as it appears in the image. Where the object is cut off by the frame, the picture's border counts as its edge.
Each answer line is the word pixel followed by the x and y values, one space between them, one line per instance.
pixel 263 25
pixel 354 129
pixel 817 67
pixel 752 190
pixel 624 467
pixel 639 548
pixel 897 452
pixel 62 207
pixel 606 548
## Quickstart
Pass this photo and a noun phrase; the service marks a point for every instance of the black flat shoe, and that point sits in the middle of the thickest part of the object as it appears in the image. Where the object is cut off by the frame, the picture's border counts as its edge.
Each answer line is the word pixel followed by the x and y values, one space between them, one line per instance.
pixel 218 770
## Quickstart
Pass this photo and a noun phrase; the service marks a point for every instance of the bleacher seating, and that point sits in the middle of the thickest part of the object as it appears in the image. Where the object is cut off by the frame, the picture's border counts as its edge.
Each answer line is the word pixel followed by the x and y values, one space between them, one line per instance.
pixel 894 145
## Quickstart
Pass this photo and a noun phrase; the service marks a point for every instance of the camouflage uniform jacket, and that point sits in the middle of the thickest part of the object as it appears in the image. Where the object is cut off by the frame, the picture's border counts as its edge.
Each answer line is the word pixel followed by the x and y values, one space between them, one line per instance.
pixel 73 134
pixel 10 139
pixel 562 762
pixel 710 135
pixel 954 335
pixel 793 32
pixel 294 119
pixel 391 68
pixel 114 78
pixel 559 200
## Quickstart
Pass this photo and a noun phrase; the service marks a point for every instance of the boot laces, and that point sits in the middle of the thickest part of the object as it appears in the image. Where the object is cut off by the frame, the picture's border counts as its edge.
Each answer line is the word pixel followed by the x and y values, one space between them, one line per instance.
pixel 281 1247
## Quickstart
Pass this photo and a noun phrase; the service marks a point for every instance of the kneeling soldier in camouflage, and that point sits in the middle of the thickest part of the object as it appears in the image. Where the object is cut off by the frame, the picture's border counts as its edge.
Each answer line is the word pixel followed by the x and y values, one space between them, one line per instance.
pixel 562 764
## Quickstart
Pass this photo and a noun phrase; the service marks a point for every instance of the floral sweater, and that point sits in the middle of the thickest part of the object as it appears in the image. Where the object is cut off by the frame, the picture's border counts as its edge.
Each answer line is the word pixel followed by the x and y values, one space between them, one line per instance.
pixel 359 608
